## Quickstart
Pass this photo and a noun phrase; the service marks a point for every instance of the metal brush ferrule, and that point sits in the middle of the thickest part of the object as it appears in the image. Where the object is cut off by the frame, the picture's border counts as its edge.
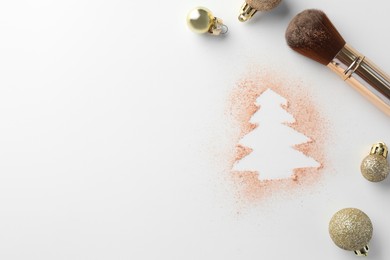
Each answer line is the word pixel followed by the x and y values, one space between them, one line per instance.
pixel 363 75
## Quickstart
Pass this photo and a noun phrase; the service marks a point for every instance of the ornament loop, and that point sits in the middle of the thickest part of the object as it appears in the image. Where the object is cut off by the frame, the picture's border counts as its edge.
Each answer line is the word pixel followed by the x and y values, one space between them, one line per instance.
pixel 218 27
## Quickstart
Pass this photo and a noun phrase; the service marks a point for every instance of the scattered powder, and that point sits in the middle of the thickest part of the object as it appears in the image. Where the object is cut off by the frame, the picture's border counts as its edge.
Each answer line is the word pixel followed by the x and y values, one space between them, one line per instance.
pixel 241 152
pixel 308 121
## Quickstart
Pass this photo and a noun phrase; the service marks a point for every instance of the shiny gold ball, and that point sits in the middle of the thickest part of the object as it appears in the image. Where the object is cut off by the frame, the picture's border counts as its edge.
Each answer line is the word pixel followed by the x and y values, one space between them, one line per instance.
pixel 375 168
pixel 200 19
pixel 350 229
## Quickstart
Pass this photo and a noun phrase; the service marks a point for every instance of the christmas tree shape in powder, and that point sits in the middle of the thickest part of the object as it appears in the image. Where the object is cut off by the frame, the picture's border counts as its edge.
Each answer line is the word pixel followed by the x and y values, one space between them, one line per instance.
pixel 272 142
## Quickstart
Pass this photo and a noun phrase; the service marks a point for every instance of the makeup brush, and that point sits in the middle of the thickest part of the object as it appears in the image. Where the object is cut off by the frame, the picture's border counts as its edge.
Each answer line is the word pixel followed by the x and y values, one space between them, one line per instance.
pixel 313 35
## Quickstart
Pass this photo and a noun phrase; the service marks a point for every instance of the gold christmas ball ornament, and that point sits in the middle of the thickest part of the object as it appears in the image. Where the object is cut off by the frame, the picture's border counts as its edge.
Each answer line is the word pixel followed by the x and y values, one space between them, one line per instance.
pixel 250 7
pixel 202 20
pixel 351 229
pixel 375 166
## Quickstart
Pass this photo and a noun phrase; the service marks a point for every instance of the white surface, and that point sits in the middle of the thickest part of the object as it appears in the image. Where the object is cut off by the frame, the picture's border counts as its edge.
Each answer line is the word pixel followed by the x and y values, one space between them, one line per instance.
pixel 108 110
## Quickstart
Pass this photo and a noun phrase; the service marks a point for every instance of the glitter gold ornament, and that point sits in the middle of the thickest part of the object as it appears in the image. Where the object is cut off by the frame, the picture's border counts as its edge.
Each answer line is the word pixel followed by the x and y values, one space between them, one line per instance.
pixel 375 166
pixel 250 7
pixel 351 229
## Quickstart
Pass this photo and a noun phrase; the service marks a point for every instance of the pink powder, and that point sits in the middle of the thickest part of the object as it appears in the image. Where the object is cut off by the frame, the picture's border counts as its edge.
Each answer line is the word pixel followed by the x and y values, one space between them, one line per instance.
pixel 308 121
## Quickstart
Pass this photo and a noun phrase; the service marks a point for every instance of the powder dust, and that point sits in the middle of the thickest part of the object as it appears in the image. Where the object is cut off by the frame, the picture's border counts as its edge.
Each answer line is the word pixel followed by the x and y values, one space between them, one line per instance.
pixel 308 121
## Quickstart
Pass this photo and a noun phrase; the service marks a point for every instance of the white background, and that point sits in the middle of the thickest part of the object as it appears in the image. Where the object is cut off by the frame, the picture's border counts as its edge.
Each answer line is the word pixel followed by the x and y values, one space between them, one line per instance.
pixel 108 110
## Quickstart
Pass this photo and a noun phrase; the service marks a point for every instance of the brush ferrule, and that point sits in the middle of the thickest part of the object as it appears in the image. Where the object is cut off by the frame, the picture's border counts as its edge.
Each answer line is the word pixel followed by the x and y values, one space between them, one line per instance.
pixel 363 75
pixel 346 62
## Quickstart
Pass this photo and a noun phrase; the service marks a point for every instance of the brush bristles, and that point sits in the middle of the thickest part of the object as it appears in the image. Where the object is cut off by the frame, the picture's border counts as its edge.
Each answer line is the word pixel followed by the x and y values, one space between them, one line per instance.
pixel 313 35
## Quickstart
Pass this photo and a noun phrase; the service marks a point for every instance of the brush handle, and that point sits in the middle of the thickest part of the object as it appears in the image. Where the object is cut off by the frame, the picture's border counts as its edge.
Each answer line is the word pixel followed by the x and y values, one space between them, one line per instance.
pixel 364 76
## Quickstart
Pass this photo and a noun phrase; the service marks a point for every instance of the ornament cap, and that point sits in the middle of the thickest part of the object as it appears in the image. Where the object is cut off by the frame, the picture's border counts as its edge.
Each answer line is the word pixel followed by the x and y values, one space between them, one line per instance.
pixel 363 251
pixel 246 12
pixel 380 149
